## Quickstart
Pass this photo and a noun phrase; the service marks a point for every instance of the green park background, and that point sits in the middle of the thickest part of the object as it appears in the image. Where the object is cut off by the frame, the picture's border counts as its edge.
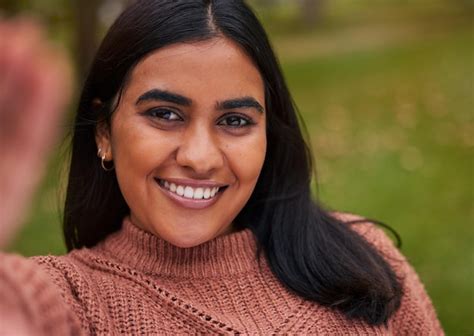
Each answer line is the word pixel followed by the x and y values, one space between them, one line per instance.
pixel 386 91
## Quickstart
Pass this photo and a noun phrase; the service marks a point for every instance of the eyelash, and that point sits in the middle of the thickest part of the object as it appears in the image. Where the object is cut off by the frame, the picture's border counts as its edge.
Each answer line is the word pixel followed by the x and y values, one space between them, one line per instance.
pixel 159 113
pixel 248 121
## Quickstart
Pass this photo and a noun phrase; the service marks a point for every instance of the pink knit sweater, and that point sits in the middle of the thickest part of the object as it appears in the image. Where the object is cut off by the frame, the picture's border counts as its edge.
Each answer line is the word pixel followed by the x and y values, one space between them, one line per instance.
pixel 137 284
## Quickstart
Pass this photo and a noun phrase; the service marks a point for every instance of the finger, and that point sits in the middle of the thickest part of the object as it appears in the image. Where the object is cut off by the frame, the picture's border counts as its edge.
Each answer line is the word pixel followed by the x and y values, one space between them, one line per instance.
pixel 49 99
pixel 22 39
pixel 40 88
pixel 17 54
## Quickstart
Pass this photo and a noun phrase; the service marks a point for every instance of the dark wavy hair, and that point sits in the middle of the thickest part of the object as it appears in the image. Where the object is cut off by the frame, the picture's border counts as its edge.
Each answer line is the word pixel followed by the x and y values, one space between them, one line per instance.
pixel 311 252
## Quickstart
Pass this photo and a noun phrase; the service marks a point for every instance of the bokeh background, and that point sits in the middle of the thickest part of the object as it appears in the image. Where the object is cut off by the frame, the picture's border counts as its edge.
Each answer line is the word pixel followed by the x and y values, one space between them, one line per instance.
pixel 386 90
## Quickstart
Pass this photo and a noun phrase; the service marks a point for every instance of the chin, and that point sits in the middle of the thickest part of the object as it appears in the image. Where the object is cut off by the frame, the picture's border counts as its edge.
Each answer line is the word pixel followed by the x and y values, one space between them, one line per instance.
pixel 189 239
pixel 187 242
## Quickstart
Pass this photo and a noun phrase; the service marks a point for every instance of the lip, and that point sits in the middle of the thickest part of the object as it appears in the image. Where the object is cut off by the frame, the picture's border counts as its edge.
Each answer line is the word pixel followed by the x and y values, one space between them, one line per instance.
pixel 193 183
pixel 188 202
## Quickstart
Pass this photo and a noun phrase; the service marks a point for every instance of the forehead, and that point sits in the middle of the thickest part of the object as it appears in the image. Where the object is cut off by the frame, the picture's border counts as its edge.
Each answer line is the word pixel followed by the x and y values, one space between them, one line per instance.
pixel 216 67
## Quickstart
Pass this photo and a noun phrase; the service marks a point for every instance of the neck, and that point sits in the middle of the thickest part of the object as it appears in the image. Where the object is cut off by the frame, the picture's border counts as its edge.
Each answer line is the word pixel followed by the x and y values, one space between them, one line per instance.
pixel 231 253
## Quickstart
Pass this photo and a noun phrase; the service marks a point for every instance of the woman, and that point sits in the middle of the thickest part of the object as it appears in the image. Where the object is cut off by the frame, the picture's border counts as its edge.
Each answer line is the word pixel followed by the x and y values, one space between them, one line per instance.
pixel 196 216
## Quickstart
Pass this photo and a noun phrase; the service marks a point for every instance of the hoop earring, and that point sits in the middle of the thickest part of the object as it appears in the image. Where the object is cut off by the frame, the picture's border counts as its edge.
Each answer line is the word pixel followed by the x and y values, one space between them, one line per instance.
pixel 102 163
pixel 102 160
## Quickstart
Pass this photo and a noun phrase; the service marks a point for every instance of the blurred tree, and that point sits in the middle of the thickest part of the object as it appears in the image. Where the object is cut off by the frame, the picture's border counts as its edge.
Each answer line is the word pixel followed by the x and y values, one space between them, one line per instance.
pixel 8 6
pixel 87 21
pixel 93 18
pixel 11 7
pixel 308 12
pixel 311 11
pixel 267 3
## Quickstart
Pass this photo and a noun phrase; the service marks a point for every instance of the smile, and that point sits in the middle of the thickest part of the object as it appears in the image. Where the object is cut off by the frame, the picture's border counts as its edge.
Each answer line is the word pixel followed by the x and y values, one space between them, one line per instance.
pixel 195 196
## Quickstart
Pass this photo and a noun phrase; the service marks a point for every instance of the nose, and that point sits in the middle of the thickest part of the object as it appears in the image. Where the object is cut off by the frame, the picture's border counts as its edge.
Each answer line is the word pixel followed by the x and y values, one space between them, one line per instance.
pixel 199 151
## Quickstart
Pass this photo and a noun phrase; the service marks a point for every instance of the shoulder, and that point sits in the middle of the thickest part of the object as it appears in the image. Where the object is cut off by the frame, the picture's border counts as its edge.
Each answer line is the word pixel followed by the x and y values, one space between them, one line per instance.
pixel 372 233
pixel 30 298
pixel 376 236
pixel 59 267
pixel 71 275
pixel 416 314
pixel 80 281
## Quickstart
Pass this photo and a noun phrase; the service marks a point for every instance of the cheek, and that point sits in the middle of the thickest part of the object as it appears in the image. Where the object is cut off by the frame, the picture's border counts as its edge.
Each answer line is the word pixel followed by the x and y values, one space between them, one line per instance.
pixel 128 149
pixel 246 159
pixel 138 150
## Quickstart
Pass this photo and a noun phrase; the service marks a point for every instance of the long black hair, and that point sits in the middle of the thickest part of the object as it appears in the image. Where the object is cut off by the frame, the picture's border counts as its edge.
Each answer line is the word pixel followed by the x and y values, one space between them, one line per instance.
pixel 310 252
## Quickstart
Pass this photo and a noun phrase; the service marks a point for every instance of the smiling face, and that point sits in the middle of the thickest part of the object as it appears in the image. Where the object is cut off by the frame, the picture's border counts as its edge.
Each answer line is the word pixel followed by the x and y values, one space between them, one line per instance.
pixel 188 140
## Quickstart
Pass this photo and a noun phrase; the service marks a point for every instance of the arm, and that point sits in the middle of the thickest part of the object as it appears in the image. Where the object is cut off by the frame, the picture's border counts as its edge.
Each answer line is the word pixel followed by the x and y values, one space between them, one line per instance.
pixel 29 303
pixel 34 88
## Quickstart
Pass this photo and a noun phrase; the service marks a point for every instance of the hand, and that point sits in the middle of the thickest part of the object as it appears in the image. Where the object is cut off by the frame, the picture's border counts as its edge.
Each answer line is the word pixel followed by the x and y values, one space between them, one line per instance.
pixel 35 80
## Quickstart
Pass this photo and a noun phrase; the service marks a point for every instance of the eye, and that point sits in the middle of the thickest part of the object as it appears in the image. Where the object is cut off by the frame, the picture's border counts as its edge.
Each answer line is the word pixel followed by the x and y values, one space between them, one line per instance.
pixel 235 121
pixel 163 113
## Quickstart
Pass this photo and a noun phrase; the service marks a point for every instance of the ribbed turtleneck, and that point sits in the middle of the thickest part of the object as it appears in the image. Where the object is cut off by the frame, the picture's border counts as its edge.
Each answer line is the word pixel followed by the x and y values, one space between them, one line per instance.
pixel 134 283
pixel 225 255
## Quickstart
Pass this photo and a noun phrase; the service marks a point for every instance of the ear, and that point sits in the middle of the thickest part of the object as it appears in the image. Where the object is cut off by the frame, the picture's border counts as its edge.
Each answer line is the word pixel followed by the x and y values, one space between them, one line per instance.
pixel 103 141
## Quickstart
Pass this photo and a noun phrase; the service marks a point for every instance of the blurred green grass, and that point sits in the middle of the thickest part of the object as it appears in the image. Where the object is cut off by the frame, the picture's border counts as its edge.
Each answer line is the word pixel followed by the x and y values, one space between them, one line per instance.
pixel 388 106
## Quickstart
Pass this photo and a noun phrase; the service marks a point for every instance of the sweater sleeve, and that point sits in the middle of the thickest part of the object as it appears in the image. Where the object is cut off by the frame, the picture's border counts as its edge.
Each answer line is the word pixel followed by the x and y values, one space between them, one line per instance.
pixel 29 303
pixel 416 315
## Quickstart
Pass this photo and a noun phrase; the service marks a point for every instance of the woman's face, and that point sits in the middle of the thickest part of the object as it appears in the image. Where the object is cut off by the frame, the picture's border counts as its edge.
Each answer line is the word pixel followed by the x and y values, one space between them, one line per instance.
pixel 188 140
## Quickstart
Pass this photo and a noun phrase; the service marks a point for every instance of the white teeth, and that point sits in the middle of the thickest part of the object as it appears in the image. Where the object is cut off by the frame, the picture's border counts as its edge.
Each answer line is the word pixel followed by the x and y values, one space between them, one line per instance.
pixel 190 192
pixel 198 193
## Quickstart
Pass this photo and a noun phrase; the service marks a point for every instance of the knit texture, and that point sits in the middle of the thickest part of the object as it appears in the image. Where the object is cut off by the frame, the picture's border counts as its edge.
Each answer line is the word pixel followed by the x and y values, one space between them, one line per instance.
pixel 137 284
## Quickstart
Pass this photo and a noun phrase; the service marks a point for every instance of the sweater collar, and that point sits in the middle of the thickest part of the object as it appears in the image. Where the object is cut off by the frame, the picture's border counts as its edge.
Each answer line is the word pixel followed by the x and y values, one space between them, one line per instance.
pixel 225 255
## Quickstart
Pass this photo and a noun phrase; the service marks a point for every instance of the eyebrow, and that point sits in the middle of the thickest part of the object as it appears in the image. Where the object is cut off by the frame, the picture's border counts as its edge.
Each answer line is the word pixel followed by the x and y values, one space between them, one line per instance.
pixel 174 98
pixel 244 102
pixel 164 95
